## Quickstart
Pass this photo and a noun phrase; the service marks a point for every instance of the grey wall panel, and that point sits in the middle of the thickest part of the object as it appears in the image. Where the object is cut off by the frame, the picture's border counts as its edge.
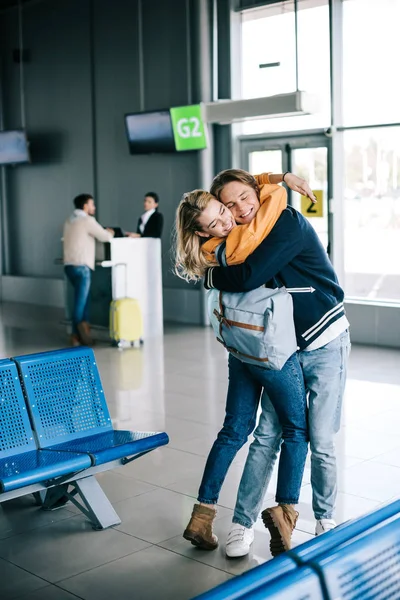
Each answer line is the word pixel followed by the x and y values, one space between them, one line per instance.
pixel 165 51
pixel 85 72
pixel 190 306
pixel 116 92
pixel 124 179
pixel 30 291
pixel 59 123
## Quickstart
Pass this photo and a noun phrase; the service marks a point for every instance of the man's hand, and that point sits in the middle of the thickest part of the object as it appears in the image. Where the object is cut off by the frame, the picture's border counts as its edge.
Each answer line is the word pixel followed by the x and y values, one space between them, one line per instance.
pixel 297 184
pixel 110 230
pixel 134 235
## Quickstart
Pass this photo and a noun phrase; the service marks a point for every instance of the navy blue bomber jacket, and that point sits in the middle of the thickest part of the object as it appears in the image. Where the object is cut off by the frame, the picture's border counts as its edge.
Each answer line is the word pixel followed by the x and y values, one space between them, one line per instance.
pixel 291 256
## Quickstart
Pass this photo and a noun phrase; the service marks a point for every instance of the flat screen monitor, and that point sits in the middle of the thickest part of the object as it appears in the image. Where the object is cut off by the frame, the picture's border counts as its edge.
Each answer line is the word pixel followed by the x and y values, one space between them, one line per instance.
pixel 118 232
pixel 150 132
pixel 13 147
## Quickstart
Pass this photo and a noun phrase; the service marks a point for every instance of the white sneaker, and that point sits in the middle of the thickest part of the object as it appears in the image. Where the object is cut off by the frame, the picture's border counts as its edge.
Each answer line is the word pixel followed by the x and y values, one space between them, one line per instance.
pixel 239 541
pixel 324 525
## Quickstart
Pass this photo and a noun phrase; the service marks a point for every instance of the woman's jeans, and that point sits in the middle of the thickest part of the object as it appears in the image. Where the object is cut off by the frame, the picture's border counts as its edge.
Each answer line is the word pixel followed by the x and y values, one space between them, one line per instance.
pixel 80 277
pixel 324 373
pixel 286 391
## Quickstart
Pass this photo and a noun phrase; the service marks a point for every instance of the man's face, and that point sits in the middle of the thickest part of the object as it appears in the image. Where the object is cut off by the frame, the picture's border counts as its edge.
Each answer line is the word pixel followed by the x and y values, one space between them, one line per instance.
pixel 149 203
pixel 241 200
pixel 90 207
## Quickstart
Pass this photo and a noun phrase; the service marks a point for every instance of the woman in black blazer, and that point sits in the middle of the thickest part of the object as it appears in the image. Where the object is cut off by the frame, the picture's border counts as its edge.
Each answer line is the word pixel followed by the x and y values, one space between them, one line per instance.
pixel 151 222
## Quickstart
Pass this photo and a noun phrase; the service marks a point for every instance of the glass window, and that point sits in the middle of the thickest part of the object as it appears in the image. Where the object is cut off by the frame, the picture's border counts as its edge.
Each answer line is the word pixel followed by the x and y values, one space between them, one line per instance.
pixel 372 213
pixel 312 164
pixel 268 38
pixel 260 158
pixel 371 84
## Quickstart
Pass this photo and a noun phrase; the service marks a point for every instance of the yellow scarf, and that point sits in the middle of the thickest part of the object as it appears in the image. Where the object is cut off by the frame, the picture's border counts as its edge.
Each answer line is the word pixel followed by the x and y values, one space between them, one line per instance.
pixel 244 239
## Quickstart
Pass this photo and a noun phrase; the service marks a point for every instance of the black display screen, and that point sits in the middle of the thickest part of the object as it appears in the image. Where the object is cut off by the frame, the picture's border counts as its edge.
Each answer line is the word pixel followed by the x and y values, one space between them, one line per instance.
pixel 13 147
pixel 150 132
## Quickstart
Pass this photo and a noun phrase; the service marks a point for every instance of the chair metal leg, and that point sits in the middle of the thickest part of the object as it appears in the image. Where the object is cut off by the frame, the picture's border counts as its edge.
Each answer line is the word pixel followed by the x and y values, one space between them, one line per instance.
pixel 93 503
pixel 53 498
pixel 40 497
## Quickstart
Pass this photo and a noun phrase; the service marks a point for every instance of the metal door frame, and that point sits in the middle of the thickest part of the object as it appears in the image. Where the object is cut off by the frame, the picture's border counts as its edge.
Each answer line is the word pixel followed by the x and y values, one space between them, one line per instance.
pixel 286 143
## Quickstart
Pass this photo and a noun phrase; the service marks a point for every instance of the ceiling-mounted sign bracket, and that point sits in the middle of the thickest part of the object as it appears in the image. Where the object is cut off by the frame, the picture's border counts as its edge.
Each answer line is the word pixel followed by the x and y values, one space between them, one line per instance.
pixel 282 105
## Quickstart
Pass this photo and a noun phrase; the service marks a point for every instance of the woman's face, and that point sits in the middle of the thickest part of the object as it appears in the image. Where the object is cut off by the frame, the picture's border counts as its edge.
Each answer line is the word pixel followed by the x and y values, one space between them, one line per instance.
pixel 241 200
pixel 149 203
pixel 216 220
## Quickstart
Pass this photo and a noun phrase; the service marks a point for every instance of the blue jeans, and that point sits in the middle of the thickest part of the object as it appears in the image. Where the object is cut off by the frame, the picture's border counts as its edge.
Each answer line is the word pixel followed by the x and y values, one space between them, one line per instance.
pixel 287 394
pixel 80 277
pixel 324 373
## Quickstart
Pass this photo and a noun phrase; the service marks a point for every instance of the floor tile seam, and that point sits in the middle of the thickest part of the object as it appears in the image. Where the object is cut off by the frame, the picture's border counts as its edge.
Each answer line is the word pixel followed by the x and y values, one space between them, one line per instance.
pixel 377 500
pixel 187 420
pixel 59 588
pixel 72 516
pixel 370 460
pixel 135 495
pixel 301 530
pixel 46 581
pixel 156 487
pixel 191 453
pixel 369 430
pixel 149 544
pixel 363 430
pixel 378 462
pixel 59 582
pixel 375 414
pixel 131 535
pixel 194 559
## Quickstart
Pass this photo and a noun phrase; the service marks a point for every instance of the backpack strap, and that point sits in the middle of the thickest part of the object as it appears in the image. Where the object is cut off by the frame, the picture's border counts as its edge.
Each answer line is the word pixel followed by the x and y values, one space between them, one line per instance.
pixel 220 254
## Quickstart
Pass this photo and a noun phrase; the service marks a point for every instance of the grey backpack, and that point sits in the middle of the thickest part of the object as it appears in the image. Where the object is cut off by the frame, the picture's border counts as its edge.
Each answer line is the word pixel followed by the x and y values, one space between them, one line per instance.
pixel 257 327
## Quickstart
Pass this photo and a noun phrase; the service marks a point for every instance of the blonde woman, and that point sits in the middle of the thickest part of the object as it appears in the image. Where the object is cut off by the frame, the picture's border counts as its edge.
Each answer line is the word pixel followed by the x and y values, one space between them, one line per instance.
pixel 201 223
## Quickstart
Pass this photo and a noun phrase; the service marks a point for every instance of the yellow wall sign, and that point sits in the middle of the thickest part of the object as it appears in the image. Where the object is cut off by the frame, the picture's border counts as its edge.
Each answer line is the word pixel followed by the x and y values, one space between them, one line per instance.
pixel 309 209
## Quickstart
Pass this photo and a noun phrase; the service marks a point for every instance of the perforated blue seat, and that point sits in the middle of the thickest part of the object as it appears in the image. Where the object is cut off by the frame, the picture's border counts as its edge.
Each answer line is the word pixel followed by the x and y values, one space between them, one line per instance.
pixel 302 584
pixel 246 583
pixel 365 568
pixel 69 410
pixel 105 447
pixel 21 464
pixel 323 543
pixel 39 466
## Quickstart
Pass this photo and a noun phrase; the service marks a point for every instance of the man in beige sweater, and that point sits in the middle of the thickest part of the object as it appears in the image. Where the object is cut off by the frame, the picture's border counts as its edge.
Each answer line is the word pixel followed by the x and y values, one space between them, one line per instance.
pixel 80 232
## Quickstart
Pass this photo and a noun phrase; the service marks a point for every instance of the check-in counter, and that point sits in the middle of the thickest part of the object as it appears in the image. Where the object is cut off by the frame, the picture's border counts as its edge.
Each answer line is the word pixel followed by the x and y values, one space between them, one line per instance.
pixel 127 267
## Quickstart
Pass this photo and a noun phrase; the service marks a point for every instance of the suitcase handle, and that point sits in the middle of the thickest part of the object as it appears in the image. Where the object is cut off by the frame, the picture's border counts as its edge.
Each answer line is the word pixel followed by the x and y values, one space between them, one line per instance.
pixel 126 275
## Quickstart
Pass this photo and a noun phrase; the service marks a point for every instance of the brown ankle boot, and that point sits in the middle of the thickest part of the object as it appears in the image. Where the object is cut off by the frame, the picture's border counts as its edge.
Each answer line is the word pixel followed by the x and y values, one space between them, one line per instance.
pixel 199 530
pixel 84 333
pixel 280 521
pixel 74 340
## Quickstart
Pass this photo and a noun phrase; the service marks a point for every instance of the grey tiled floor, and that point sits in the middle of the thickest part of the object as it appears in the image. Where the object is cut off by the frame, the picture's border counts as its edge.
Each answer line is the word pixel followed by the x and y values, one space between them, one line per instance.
pixel 178 384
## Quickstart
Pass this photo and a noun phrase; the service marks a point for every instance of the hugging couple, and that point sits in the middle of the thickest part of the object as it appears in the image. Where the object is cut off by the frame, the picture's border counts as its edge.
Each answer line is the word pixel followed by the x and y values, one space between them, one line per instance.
pixel 268 243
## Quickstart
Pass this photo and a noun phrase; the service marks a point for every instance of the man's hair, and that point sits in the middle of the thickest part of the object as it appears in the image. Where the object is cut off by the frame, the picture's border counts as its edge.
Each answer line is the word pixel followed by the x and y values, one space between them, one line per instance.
pixel 153 195
pixel 229 175
pixel 81 200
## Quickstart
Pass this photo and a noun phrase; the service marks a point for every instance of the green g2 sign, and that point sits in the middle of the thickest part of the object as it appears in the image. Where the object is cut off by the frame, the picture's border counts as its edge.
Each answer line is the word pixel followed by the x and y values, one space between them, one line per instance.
pixel 188 127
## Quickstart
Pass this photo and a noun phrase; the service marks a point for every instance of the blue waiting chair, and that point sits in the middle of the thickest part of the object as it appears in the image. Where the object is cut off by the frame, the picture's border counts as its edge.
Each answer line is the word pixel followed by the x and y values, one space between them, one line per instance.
pixel 69 415
pixel 248 582
pixel 69 410
pixel 364 568
pixel 22 464
pixel 302 584
pixel 321 544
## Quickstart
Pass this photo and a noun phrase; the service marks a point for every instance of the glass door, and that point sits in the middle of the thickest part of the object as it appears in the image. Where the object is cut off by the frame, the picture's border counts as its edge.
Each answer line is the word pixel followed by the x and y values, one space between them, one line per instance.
pixel 306 156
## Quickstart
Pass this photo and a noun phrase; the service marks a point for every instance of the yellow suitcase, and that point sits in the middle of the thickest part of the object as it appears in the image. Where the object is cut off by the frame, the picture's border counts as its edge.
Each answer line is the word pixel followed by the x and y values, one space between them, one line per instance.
pixel 126 323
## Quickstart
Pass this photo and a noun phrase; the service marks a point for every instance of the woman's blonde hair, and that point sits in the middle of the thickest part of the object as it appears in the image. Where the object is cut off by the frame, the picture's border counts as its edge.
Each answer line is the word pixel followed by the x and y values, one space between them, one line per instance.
pixel 190 262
